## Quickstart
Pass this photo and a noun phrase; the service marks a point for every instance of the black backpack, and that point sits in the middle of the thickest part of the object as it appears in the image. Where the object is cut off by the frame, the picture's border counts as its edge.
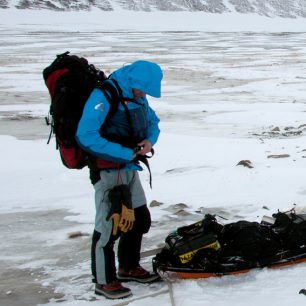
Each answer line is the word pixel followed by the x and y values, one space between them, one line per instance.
pixel 70 80
pixel 250 240
pixel 291 229
pixel 186 242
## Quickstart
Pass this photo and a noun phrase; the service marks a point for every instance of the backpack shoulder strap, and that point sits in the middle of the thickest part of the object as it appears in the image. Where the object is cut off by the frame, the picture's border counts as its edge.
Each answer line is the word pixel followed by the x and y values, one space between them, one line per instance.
pixel 112 97
pixel 122 101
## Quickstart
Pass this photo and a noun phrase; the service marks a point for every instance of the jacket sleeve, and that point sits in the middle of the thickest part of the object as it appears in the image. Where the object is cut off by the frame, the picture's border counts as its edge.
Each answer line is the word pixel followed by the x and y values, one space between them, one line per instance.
pixel 88 131
pixel 153 129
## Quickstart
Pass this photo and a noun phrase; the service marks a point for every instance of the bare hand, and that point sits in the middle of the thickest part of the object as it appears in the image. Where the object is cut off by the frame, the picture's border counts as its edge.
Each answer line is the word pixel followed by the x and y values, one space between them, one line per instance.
pixel 145 146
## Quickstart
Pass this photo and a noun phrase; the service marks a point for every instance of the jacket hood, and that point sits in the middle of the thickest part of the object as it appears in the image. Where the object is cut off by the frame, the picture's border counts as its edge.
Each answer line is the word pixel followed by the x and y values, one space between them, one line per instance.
pixel 143 75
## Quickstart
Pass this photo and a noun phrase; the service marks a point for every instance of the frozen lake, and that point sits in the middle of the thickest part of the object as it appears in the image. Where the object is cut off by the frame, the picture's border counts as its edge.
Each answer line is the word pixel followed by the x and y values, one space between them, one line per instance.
pixel 211 79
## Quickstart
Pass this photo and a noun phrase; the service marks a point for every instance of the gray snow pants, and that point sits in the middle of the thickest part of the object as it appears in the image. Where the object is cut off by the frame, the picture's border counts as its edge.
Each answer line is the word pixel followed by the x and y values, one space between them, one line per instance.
pixel 102 251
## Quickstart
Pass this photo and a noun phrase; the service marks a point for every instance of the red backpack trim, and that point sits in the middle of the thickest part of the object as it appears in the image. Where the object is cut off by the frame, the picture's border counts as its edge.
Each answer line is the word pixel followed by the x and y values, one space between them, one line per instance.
pixel 72 157
pixel 52 79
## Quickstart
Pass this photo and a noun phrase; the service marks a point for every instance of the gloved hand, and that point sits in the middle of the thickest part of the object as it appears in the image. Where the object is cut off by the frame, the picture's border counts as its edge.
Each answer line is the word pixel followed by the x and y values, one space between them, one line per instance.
pixel 127 212
pixel 114 214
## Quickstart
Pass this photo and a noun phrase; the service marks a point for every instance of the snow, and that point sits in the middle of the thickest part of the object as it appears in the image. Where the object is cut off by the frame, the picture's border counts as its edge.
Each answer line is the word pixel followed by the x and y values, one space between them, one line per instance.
pixel 224 93
pixel 153 21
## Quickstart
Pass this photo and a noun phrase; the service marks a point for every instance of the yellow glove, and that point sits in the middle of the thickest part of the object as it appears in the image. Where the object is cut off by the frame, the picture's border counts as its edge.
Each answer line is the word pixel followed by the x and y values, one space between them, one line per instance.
pixel 121 211
pixel 115 209
pixel 127 219
pixel 127 212
pixel 116 219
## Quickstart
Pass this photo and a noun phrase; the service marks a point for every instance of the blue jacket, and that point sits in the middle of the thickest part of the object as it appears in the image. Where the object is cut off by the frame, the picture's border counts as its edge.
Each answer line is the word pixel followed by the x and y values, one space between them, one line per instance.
pixel 143 75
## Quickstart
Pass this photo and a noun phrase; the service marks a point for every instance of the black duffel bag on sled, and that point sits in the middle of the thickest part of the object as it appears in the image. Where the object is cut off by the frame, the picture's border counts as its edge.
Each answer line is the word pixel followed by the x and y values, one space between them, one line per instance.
pixel 207 248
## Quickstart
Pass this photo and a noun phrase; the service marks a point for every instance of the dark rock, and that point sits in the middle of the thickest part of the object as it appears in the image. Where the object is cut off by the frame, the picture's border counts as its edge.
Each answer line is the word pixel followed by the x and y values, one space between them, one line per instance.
pixel 246 163
pixel 156 204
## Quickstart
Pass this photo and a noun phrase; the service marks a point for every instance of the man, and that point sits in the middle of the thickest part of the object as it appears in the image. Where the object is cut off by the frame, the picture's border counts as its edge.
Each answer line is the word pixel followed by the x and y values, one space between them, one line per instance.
pixel 130 132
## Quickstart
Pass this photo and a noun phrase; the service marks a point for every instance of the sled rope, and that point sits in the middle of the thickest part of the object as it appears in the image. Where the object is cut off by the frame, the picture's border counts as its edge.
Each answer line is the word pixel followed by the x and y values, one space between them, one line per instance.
pixel 127 302
pixel 170 288
pixel 151 252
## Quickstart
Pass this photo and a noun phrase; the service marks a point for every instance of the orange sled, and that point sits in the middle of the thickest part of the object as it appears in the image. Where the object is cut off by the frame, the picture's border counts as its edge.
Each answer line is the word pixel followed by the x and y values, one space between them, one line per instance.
pixel 207 249
pixel 230 266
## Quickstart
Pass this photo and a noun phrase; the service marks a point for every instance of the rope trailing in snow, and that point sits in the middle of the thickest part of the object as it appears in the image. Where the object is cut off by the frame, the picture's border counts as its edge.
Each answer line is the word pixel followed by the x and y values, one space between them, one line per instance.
pixel 170 287
pixel 137 298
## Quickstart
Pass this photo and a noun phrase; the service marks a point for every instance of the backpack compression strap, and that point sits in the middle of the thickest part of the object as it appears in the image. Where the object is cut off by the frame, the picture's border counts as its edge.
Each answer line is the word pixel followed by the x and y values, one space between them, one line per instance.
pixel 144 160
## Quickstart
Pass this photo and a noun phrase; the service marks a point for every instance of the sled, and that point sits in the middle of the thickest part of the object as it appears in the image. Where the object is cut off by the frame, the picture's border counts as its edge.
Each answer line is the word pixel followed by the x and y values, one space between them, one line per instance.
pixel 296 257
pixel 190 252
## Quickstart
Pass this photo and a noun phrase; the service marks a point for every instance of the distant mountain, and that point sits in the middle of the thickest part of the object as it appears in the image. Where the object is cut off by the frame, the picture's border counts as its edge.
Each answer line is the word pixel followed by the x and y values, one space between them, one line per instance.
pixel 270 8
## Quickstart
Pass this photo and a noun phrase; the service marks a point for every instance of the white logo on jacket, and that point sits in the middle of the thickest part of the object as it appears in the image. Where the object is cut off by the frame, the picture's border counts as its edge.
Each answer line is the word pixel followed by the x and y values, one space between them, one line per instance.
pixel 99 107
